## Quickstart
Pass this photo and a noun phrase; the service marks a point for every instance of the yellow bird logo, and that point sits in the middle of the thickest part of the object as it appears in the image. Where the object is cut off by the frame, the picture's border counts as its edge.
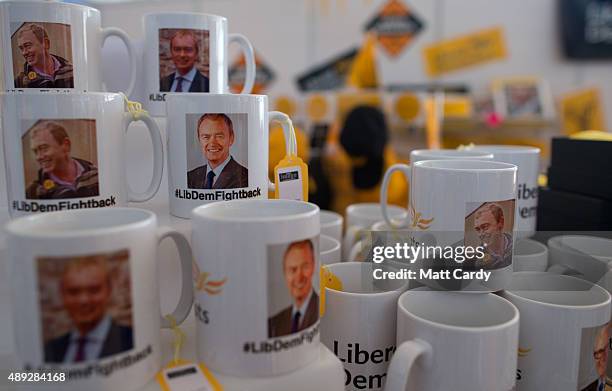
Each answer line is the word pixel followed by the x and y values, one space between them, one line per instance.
pixel 327 280
pixel 417 219
pixel 202 283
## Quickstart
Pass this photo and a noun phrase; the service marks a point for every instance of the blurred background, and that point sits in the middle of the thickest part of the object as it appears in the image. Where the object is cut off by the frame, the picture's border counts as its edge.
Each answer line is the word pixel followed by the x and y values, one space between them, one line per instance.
pixel 438 73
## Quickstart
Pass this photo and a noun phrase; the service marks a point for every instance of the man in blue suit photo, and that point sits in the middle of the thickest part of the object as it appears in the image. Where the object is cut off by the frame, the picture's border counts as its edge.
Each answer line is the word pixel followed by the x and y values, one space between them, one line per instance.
pixel 185 52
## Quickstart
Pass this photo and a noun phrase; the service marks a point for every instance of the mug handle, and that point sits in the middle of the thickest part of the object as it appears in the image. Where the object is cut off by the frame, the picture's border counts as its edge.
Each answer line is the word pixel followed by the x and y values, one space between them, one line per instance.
pixel 114 31
pixel 407 171
pixel 158 157
pixel 186 299
pixel 289 133
pixel 249 56
pixel 353 234
pixel 403 360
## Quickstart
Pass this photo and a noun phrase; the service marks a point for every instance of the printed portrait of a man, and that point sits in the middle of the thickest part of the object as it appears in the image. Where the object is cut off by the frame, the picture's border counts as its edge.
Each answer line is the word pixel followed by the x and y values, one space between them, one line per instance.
pixel 298 269
pixel 60 159
pixel 216 134
pixel 188 54
pixel 86 321
pixel 42 56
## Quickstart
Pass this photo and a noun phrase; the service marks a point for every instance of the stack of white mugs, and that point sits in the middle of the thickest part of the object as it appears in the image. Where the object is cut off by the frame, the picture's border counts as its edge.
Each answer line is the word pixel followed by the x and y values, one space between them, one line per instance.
pixel 84 279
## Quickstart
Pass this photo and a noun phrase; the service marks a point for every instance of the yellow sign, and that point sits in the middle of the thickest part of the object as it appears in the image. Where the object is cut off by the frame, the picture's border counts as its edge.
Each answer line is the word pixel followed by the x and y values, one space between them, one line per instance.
pixel 582 110
pixel 465 51
pixel 317 107
pixel 407 107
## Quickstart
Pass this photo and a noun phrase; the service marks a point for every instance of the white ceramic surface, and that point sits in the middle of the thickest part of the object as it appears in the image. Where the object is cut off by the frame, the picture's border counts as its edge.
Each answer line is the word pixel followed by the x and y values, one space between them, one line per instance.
pixel 76 234
pixel 359 323
pixel 21 111
pixel 250 120
pixel 418 155
pixel 454 341
pixel 360 217
pixel 218 42
pixel 331 224
pixel 444 193
pixel 555 311
pixel 86 38
pixel 527 159
pixel 244 243
pixel 529 256
pixel 329 249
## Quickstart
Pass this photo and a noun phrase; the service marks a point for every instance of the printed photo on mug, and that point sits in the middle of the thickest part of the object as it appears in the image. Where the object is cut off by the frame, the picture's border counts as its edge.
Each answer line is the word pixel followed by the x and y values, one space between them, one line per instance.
pixel 42 55
pixel 594 359
pixel 490 225
pixel 217 149
pixel 183 60
pixel 85 306
pixel 293 300
pixel 60 158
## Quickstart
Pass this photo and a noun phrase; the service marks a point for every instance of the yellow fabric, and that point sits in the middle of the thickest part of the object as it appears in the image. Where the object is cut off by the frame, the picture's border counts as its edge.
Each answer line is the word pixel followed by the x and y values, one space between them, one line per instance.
pixel 277 149
pixel 596 135
pixel 337 165
pixel 363 72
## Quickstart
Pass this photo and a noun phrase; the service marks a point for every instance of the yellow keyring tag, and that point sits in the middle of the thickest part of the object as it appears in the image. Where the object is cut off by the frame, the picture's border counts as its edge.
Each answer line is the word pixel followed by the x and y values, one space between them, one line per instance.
pixel 177 362
pixel 291 173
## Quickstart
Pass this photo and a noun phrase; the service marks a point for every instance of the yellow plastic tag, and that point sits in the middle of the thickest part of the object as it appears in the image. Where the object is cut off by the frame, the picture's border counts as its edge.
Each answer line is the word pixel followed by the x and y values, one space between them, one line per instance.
pixel 291 179
pixel 185 375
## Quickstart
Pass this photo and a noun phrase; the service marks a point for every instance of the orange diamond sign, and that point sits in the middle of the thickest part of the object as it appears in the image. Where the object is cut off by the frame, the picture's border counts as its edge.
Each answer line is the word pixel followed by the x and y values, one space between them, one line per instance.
pixel 395 26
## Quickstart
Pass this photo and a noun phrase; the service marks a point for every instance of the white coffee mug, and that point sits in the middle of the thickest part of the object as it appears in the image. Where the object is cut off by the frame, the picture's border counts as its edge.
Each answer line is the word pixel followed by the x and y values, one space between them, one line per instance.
pixel 359 322
pixel 360 217
pixel 418 155
pixel 454 341
pixel 67 151
pixel 329 249
pixel 86 301
pixel 227 130
pixel 331 224
pixel 529 256
pixel 193 47
pixel 527 159
pixel 55 46
pixel 257 307
pixel 465 203
pixel 564 326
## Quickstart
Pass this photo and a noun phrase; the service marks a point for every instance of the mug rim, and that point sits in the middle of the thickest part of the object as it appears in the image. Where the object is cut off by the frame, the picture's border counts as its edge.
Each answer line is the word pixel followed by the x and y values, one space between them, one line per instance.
pixel 56 93
pixel 556 242
pixel 541 246
pixel 400 289
pixel 587 307
pixel 466 329
pixel 69 5
pixel 447 165
pixel 329 239
pixel 461 153
pixel 331 223
pixel 181 13
pixel 492 148
pixel 22 226
pixel 213 96
pixel 203 212
pixel 359 207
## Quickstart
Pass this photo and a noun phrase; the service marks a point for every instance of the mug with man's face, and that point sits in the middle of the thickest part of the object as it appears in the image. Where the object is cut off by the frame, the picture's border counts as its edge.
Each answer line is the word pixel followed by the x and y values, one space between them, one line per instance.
pixel 187 52
pixel 279 295
pixel 66 151
pixel 55 46
pixel 218 148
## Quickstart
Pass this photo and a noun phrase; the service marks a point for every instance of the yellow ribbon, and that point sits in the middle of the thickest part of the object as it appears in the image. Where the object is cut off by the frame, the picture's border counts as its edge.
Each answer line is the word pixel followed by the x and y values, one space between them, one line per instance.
pixel 179 339
pixel 134 108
